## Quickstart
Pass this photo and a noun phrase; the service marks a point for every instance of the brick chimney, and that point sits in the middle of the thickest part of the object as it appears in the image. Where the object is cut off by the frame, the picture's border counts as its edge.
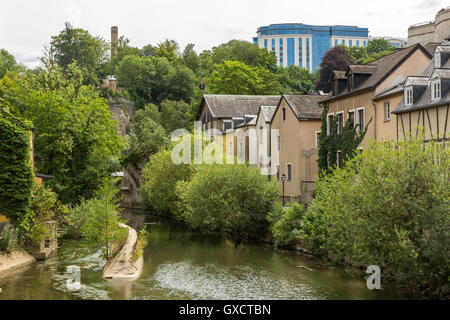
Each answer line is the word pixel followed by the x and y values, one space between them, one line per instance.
pixel 114 40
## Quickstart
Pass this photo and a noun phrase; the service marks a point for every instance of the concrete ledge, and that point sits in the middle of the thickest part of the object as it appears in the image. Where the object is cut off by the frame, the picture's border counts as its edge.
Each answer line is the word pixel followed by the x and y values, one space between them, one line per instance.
pixel 122 266
pixel 15 259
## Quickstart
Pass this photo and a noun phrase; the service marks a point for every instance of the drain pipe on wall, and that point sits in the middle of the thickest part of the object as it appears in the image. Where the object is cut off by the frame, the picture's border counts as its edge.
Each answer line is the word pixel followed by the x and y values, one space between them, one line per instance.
pixel 375 120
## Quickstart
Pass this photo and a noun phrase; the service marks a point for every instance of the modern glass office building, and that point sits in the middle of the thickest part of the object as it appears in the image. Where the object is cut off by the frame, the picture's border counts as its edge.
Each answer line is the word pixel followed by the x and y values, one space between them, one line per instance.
pixel 305 45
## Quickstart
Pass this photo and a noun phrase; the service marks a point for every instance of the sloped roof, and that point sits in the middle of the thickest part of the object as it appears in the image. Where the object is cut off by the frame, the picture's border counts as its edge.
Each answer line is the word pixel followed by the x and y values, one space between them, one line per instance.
pixel 362 68
pixel 306 106
pixel 268 112
pixel 381 69
pixel 228 106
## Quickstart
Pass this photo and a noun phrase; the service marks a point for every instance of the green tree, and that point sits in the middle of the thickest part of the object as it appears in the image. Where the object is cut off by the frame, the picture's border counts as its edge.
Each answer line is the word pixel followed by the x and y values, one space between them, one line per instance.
pixel 296 80
pixel 230 199
pixel 191 58
pixel 234 77
pixel 358 54
pixel 175 115
pixel 167 49
pixel 7 63
pixel 90 53
pixel 102 225
pixel 379 45
pixel 179 84
pixel 76 139
pixel 159 179
pixel 245 52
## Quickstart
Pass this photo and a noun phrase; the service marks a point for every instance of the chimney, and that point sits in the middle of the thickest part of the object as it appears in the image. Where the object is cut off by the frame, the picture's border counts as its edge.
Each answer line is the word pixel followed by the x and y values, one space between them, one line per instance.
pixel 114 40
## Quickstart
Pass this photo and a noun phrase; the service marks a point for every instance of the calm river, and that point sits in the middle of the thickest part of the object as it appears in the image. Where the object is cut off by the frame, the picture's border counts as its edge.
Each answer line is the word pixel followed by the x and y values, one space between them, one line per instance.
pixel 180 264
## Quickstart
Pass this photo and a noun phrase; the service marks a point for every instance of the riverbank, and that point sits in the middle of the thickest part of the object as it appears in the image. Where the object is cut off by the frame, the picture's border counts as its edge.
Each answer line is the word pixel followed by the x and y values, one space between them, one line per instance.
pixel 14 260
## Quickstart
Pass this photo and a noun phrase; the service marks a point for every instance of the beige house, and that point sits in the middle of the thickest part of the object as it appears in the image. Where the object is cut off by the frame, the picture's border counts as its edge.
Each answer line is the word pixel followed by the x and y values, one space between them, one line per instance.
pixel 297 119
pixel 264 138
pixel 368 93
pixel 426 101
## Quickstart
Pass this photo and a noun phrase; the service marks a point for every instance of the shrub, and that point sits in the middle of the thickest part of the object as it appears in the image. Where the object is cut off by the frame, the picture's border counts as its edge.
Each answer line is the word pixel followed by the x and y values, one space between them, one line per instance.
pixel 159 179
pixel 286 224
pixel 141 244
pixel 389 206
pixel 230 199
pixel 9 239
pixel 44 207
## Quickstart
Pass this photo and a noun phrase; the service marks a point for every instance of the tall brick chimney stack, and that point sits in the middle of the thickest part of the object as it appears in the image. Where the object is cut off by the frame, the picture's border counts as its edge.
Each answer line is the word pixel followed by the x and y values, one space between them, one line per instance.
pixel 114 40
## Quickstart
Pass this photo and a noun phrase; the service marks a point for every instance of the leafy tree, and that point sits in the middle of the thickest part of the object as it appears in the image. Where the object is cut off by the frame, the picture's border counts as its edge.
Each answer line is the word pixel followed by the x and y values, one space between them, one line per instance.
pixel 191 58
pixel 123 49
pixel 295 80
pixel 234 77
pixel 286 224
pixel 90 53
pixel 175 115
pixel 159 179
pixel 7 63
pixel 358 54
pixel 167 49
pixel 379 45
pixel 76 139
pixel 230 199
pixel 336 59
pixel 103 219
pixel 245 52
pixel 179 84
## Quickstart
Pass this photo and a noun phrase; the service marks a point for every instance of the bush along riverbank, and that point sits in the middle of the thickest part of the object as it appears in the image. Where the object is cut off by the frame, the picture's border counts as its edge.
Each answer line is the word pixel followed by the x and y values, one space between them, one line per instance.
pixel 388 206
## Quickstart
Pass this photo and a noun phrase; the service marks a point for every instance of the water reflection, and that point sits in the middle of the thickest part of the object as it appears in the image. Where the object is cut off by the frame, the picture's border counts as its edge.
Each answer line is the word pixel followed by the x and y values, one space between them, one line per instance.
pixel 185 265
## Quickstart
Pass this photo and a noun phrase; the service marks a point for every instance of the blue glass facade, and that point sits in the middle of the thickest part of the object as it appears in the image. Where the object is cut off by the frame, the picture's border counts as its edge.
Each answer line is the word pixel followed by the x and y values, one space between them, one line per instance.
pixel 290 51
pixel 320 40
pixel 300 52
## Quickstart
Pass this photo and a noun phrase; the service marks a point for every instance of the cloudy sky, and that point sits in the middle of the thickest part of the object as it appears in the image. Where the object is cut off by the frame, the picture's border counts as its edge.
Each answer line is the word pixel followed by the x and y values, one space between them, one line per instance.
pixel 25 26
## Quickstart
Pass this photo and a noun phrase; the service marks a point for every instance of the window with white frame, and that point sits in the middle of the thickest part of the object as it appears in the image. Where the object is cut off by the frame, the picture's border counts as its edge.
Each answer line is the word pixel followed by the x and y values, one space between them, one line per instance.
pixel 329 124
pixel 230 146
pixel 360 119
pixel 317 139
pixel 409 96
pixel 289 172
pixel 351 116
pixel 277 167
pixel 340 122
pixel 436 89
pixel 387 111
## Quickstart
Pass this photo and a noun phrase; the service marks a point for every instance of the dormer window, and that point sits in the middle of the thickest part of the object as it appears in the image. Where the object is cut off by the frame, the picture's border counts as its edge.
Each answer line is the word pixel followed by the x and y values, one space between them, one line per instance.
pixel 437 60
pixel 409 96
pixel 436 90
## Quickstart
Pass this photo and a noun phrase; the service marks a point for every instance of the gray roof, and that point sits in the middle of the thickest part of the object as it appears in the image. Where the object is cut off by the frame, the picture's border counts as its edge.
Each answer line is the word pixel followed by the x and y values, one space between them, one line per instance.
pixel 423 100
pixel 381 69
pixel 228 106
pixel 268 112
pixel 306 106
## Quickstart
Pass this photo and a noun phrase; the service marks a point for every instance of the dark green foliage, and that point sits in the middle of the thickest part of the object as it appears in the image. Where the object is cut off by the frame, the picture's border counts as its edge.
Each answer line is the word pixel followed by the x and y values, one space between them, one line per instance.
pixel 16 171
pixel 346 142
pixel 229 199
pixel 296 80
pixel 286 223
pixel 389 206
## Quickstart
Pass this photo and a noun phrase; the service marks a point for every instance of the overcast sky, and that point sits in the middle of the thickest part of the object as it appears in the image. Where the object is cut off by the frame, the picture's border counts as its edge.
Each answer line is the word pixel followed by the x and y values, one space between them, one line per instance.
pixel 25 26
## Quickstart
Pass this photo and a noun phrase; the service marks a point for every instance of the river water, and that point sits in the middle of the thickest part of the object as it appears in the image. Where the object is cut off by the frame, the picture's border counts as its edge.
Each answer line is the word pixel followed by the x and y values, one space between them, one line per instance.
pixel 180 264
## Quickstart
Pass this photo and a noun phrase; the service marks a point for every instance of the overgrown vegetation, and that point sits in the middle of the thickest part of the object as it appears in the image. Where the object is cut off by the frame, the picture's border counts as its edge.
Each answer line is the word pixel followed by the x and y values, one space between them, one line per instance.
pixel 346 142
pixel 16 171
pixel 388 206
pixel 286 224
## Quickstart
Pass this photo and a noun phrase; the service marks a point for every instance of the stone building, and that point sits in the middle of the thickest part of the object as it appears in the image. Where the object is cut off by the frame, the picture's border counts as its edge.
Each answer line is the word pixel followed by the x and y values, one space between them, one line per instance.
pixel 432 31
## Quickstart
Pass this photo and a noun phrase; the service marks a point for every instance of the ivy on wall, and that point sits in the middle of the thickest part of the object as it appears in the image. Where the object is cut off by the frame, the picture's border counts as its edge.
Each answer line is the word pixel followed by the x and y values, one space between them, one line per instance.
pixel 346 142
pixel 16 170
